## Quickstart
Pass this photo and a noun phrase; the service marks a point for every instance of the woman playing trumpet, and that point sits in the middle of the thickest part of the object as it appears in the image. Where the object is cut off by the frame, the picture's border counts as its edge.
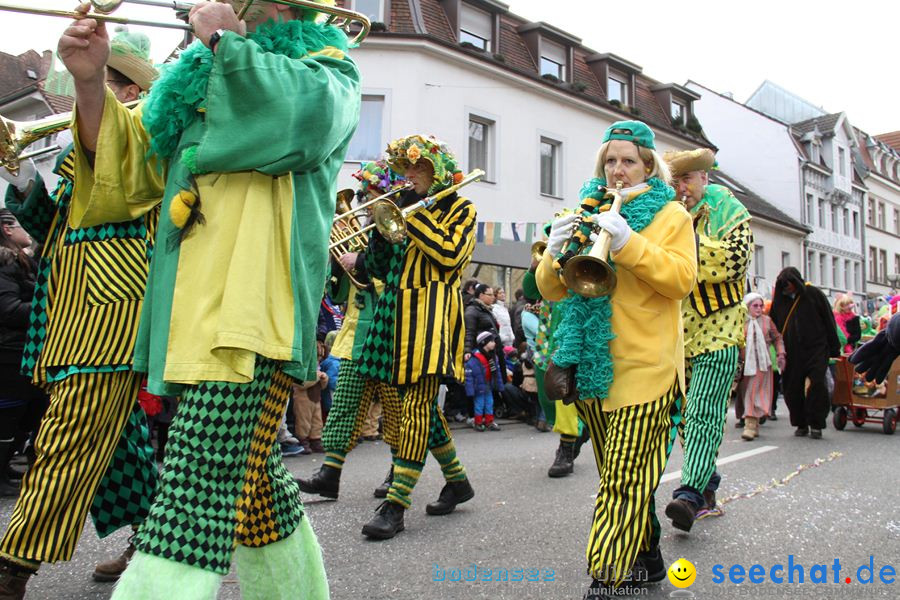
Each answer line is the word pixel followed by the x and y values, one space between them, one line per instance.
pixel 626 348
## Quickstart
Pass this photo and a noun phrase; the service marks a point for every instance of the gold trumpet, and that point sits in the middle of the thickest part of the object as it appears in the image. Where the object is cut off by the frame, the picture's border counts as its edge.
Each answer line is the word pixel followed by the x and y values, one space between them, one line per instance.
pixel 390 220
pixel 590 275
pixel 15 136
pixel 344 225
pixel 337 16
pixel 537 250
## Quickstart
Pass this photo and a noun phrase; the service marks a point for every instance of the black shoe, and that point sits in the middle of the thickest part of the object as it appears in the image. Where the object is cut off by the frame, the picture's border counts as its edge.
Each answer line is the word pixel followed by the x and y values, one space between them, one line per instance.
pixel 682 513
pixel 739 424
pixel 801 431
pixel 581 441
pixel 815 434
pixel 382 490
pixel 563 464
pixel 453 493
pixel 325 482
pixel 13 580
pixel 649 567
pixel 773 417
pixel 387 523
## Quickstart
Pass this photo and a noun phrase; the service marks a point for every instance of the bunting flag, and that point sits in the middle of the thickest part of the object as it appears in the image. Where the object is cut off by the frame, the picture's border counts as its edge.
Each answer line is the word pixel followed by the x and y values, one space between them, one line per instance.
pixel 490 233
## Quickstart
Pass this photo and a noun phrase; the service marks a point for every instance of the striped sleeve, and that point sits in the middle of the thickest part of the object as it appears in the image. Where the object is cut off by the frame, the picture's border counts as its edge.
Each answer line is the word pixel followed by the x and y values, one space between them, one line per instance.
pixel 447 242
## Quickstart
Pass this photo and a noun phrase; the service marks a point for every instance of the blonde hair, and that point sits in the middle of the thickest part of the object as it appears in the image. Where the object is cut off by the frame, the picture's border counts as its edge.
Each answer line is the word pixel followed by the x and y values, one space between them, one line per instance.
pixel 843 301
pixel 651 159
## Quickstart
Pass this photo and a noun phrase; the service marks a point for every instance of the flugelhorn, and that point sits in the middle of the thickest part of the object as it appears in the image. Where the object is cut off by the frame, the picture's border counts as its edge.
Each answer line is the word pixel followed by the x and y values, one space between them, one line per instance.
pixel 590 275
pixel 15 136
pixel 390 220
pixel 337 16
pixel 341 233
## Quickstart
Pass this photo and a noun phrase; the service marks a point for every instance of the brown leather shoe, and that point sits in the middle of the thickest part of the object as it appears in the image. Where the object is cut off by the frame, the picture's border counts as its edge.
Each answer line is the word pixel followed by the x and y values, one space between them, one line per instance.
pixel 316 446
pixel 110 570
pixel 13 580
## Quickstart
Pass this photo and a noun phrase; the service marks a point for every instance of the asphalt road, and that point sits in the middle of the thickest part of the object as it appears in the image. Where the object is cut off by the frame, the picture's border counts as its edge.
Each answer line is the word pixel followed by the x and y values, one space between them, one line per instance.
pixel 845 508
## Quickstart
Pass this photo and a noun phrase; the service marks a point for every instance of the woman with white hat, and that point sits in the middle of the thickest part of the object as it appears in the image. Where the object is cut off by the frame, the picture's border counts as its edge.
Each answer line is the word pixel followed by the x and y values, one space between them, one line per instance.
pixel 755 389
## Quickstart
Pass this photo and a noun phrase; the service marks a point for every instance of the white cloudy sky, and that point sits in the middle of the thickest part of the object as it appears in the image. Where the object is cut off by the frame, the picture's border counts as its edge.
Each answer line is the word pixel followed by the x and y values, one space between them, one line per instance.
pixel 838 54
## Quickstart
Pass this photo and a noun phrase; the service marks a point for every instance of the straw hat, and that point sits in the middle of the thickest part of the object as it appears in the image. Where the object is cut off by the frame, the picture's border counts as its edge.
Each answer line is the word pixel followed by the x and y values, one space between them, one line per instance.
pixel 129 54
pixel 685 161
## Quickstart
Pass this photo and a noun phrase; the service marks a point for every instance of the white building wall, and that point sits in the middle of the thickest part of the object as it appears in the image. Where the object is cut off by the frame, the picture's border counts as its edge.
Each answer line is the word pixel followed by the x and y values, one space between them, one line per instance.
pixel 888 239
pixel 754 148
pixel 775 241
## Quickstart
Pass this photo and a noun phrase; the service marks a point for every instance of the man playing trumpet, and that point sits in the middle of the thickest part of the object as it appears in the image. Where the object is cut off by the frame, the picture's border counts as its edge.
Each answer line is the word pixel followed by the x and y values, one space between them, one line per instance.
pixel 235 282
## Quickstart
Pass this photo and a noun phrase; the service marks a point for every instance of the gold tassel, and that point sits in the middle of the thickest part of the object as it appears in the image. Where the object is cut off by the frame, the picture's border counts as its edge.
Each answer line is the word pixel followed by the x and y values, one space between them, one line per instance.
pixel 180 208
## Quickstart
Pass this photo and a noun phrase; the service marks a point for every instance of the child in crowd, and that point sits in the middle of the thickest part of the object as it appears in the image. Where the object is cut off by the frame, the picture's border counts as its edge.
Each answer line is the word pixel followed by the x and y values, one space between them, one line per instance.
pixel 483 376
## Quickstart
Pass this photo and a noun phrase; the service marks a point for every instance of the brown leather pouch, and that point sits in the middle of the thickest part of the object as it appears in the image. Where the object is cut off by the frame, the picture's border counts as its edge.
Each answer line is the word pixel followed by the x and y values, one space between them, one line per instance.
pixel 559 383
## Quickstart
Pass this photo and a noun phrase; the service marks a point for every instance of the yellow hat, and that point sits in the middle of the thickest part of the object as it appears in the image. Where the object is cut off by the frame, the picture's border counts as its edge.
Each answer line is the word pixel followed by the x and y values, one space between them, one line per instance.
pixel 129 54
pixel 685 161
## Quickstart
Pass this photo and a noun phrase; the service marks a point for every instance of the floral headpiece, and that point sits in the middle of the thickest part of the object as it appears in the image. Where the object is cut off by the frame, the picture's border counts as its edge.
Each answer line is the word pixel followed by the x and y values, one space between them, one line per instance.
pixel 377 176
pixel 411 149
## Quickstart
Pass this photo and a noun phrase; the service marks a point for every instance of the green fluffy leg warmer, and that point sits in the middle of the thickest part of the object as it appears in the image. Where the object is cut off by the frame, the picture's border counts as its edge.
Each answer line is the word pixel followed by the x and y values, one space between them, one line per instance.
pixel 150 577
pixel 289 569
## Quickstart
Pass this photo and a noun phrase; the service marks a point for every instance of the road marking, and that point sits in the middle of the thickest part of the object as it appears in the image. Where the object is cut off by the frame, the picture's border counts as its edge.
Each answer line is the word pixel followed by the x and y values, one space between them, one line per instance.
pixel 723 461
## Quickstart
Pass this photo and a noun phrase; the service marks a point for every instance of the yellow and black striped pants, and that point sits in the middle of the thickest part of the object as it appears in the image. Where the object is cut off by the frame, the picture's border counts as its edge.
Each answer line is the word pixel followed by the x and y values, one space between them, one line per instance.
pixel 631 449
pixel 76 442
pixel 422 423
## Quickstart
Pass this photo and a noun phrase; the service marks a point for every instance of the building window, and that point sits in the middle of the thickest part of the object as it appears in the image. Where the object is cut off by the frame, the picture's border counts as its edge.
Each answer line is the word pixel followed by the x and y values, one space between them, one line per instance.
pixel 855 224
pixel 842 169
pixel 882 265
pixel 897 221
pixel 810 209
pixel 873 264
pixel 810 263
pixel 835 221
pixel 846 221
pixel 617 88
pixel 553 60
pixel 847 275
pixel 785 259
pixel 550 152
pixel 897 264
pixel 870 215
pixel 367 144
pixel 679 112
pixel 759 262
pixel 374 9
pixel 857 283
pixel 881 220
pixel 822 214
pixel 823 270
pixel 475 27
pixel 814 152
pixel 835 271
pixel 481 138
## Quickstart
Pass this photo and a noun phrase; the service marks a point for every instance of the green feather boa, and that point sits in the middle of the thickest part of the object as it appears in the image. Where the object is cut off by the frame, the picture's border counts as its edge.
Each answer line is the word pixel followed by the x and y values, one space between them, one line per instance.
pixel 180 91
pixel 585 331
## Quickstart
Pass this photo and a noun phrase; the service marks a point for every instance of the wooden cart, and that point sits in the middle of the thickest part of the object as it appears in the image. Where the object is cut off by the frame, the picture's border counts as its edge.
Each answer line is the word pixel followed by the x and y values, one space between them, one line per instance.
pixel 860 404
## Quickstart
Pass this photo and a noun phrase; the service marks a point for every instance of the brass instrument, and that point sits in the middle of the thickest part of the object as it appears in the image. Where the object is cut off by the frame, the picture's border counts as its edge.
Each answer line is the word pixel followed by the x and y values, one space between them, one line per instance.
pixel 337 16
pixel 589 275
pixel 345 223
pixel 537 250
pixel 15 136
pixel 390 220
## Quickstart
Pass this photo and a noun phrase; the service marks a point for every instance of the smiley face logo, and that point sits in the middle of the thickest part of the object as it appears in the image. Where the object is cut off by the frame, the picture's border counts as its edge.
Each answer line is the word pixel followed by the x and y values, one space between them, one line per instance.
pixel 682 573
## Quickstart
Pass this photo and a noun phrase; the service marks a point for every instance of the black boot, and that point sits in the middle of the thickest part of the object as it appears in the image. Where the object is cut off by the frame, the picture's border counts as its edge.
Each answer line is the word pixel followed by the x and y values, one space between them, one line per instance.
pixel 453 493
pixel 563 464
pixel 13 579
pixel 387 523
pixel 581 441
pixel 325 482
pixel 682 512
pixel 8 488
pixel 649 567
pixel 382 490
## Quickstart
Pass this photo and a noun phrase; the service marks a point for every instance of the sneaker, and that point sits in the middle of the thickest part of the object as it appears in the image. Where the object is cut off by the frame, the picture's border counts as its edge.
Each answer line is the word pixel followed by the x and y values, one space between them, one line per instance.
pixel 470 421
pixel 478 427
pixel 285 437
pixel 802 431
pixel 459 418
pixel 493 427
pixel 291 449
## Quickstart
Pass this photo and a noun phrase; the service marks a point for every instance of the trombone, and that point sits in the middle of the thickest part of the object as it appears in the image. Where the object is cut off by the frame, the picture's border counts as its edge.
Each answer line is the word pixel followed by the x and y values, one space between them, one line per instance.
pixel 390 220
pixel 590 275
pixel 337 16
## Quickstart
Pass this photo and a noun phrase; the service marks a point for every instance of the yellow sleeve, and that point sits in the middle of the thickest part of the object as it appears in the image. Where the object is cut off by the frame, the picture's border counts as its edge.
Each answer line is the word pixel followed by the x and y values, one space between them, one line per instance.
pixel 123 183
pixel 668 262
pixel 726 259
pixel 549 281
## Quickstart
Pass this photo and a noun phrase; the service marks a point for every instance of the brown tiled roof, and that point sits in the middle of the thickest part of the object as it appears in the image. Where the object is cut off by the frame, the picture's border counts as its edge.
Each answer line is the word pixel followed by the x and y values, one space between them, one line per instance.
pixel 58 104
pixel 755 203
pixel 14 71
pixel 824 123
pixel 517 58
pixel 891 139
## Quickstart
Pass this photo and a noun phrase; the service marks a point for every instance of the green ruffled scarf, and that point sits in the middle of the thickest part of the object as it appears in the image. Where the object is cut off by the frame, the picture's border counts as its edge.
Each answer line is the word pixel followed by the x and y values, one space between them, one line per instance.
pixel 585 330
pixel 180 92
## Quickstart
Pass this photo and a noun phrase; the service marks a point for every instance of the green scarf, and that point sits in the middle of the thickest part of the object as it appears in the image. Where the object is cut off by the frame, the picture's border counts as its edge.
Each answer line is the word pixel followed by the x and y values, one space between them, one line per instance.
pixel 585 331
pixel 720 212
pixel 179 95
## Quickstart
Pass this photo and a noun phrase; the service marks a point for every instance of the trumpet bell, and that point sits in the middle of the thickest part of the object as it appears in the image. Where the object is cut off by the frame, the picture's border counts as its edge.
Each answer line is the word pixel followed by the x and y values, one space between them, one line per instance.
pixel 537 250
pixel 589 276
pixel 390 221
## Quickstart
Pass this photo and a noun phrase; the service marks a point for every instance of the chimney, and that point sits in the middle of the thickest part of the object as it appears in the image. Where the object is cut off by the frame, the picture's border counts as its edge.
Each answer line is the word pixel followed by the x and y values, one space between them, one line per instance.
pixel 46 63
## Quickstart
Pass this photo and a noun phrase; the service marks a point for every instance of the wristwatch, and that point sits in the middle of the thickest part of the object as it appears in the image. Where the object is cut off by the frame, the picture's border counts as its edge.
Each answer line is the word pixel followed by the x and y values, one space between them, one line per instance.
pixel 214 39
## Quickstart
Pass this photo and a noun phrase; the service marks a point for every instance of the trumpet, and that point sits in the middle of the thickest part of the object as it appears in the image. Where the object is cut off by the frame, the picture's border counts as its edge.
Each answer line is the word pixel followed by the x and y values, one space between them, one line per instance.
pixel 390 220
pixel 345 223
pixel 537 250
pixel 15 136
pixel 590 275
pixel 337 16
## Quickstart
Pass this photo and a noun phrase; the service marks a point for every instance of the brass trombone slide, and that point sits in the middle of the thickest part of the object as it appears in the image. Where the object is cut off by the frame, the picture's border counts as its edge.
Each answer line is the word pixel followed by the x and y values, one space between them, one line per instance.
pixel 337 16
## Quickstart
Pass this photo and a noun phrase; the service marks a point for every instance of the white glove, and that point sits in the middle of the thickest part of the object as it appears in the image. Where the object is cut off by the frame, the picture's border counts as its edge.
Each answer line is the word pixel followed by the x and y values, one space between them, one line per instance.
pixel 560 232
pixel 24 178
pixel 616 225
